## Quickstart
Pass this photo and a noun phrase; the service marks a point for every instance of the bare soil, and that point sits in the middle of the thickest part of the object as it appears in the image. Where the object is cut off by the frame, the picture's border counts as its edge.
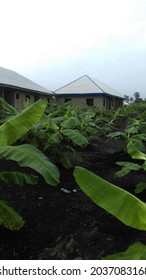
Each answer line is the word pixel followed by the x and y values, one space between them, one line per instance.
pixel 61 222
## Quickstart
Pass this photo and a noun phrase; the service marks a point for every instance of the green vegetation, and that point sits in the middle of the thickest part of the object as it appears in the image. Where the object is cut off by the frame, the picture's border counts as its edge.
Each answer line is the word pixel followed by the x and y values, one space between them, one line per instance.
pixel 42 136
pixel 120 203
pixel 25 155
pixel 137 251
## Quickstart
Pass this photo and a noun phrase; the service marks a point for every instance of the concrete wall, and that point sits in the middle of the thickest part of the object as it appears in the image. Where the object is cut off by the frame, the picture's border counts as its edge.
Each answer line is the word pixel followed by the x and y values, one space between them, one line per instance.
pixel 23 96
pixel 17 98
pixel 101 102
pixel 97 101
pixel 20 98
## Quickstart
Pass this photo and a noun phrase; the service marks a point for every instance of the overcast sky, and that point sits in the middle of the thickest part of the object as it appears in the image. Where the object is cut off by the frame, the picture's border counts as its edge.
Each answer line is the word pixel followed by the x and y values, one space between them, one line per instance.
pixel 54 42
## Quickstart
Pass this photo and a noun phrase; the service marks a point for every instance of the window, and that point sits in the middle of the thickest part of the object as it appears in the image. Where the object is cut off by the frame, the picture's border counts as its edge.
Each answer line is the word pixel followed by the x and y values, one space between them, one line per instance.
pixel 67 100
pixel 110 103
pixel 27 97
pixel 103 102
pixel 36 97
pixel 89 101
pixel 17 95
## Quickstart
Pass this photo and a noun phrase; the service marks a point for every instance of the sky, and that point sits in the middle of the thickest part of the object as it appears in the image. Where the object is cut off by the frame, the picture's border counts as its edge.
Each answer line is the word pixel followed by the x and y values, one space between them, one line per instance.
pixel 53 42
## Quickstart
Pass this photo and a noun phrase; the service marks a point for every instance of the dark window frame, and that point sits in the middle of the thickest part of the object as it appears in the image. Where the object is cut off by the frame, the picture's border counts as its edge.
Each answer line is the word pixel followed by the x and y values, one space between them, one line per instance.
pixel 27 97
pixel 104 102
pixel 17 96
pixel 67 100
pixel 90 101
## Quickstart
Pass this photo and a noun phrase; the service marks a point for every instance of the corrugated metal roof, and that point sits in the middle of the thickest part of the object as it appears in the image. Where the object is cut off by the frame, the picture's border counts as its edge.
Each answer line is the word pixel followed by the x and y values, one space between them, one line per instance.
pixel 11 78
pixel 87 85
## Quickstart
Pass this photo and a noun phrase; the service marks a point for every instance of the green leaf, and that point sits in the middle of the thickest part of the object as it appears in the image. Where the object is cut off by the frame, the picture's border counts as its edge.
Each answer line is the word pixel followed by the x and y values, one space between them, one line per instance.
pixel 132 130
pixel 8 107
pixel 141 186
pixel 134 152
pixel 76 137
pixel 18 178
pixel 136 251
pixel 117 134
pixel 71 123
pixel 138 143
pixel 126 168
pixel 28 156
pixel 139 137
pixel 69 110
pixel 120 203
pixel 65 161
pixel 9 218
pixel 48 122
pixel 144 165
pixel 19 125
pixel 55 138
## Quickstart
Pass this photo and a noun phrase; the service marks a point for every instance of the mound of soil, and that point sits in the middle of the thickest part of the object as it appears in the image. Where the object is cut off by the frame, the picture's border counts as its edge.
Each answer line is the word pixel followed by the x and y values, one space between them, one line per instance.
pixel 61 222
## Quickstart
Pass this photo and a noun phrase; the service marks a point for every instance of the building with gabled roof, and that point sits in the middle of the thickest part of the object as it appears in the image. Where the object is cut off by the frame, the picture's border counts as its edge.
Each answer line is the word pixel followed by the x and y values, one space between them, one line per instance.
pixel 15 89
pixel 90 91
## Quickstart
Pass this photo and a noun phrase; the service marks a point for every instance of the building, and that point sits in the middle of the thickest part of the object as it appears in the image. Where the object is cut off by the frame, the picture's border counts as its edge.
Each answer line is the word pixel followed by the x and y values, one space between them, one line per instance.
pixel 90 91
pixel 15 89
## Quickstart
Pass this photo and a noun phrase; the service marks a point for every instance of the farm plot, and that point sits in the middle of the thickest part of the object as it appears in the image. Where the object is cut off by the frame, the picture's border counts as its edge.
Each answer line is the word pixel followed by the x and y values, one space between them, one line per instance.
pixel 60 220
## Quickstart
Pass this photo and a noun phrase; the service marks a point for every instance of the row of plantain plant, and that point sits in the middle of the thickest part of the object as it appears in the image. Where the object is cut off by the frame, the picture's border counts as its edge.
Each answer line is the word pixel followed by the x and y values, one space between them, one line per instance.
pixel 125 206
pixel 62 132
pixel 26 155
pixel 26 137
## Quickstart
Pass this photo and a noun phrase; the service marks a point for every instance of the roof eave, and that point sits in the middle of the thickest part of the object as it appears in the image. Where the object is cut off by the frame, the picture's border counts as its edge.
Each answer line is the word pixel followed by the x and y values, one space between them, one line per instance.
pixel 86 94
pixel 25 89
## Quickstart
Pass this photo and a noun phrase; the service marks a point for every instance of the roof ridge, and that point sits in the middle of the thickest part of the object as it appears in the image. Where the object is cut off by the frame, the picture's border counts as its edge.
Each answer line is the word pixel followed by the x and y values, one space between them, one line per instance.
pixel 86 84
pixel 90 78
pixel 70 83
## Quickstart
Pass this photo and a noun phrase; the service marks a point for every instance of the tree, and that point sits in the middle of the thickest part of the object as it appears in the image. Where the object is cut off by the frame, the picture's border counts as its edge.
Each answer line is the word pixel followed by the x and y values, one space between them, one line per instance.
pixel 136 95
pixel 131 99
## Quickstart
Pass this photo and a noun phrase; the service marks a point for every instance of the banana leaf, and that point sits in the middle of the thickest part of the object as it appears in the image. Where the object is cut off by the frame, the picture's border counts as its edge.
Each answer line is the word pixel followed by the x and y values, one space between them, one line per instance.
pixel 27 155
pixel 126 168
pixel 141 186
pixel 19 125
pixel 76 137
pixel 71 123
pixel 136 251
pixel 134 152
pixel 48 122
pixel 54 139
pixel 17 178
pixel 118 202
pixel 9 218
pixel 6 106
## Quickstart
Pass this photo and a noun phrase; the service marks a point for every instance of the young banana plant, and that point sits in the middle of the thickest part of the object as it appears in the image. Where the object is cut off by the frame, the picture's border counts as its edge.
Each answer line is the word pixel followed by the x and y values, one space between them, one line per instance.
pixel 25 155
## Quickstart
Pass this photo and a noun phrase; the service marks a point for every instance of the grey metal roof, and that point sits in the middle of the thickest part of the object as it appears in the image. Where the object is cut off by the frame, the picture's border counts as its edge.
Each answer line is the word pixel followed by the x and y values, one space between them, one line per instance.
pixel 87 85
pixel 12 79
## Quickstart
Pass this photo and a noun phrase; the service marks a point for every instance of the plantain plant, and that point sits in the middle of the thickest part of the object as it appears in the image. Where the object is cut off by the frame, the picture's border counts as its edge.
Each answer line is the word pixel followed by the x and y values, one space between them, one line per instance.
pixel 6 111
pixel 59 136
pixel 120 203
pixel 134 131
pixel 25 155
pixel 127 167
pixel 123 205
